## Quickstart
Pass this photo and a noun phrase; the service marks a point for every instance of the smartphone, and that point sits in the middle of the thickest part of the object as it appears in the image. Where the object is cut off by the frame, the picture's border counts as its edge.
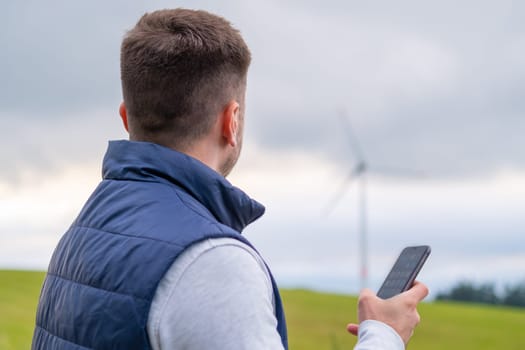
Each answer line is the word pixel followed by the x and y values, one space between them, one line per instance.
pixel 404 271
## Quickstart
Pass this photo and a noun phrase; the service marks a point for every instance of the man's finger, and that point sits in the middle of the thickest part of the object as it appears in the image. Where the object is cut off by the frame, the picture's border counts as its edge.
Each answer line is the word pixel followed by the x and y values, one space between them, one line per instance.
pixel 418 290
pixel 352 328
pixel 366 293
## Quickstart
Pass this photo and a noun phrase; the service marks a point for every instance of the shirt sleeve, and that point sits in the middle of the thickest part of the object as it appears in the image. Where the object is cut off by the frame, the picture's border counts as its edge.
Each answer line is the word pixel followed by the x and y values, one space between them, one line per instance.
pixel 217 295
pixel 375 335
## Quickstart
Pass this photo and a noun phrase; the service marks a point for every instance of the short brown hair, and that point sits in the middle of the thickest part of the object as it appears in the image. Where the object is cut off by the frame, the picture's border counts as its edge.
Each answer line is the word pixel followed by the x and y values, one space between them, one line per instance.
pixel 178 69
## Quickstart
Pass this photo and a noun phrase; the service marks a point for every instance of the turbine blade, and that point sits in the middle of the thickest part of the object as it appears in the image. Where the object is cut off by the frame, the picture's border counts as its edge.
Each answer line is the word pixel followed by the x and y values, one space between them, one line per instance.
pixel 352 139
pixel 391 171
pixel 352 175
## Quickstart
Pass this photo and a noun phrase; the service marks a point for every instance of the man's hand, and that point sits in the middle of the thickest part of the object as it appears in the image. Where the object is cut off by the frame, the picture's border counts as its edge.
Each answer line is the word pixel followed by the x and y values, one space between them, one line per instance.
pixel 399 312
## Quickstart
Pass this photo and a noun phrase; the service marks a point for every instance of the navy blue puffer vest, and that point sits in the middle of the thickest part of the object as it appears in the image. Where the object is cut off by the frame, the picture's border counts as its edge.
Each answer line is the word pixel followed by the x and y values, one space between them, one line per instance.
pixel 152 204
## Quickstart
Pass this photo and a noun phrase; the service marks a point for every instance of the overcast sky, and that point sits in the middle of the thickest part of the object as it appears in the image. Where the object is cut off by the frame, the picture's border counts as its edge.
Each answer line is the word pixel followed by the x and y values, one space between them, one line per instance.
pixel 436 89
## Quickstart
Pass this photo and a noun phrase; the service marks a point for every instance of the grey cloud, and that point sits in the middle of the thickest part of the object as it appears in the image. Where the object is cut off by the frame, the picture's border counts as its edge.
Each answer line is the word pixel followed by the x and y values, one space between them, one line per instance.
pixel 36 148
pixel 426 88
pixel 59 57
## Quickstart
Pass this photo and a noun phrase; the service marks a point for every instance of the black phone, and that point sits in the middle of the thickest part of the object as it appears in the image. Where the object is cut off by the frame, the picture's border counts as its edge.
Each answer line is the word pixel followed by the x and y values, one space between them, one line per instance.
pixel 404 271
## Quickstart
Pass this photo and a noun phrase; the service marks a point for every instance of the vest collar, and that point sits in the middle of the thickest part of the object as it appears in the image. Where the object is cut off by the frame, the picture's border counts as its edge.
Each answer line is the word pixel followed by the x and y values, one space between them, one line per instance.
pixel 144 161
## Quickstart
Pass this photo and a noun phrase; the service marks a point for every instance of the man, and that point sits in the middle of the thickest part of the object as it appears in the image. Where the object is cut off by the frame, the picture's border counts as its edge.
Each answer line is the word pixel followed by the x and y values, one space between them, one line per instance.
pixel 155 259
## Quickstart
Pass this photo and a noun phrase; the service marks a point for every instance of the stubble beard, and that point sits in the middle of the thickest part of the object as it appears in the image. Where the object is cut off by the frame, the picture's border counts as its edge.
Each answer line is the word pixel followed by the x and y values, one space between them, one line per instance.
pixel 232 159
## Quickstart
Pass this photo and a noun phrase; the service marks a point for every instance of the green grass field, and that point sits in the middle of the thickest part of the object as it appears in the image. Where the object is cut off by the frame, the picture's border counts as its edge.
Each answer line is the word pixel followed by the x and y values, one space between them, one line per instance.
pixel 315 320
pixel 19 292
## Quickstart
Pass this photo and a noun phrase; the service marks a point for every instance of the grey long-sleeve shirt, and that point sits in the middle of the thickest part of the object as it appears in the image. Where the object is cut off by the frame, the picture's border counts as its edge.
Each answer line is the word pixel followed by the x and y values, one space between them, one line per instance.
pixel 218 295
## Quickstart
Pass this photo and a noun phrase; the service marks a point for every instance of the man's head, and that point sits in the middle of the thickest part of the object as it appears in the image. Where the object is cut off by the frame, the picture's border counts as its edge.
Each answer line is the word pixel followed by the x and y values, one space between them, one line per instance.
pixel 180 70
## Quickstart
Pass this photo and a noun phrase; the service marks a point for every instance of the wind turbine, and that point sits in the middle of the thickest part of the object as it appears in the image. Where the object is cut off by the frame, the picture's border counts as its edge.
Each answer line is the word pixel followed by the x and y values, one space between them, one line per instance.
pixel 359 173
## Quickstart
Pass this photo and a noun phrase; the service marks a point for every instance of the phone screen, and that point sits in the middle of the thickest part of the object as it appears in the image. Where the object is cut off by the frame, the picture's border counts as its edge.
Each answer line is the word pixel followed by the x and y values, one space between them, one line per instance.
pixel 404 271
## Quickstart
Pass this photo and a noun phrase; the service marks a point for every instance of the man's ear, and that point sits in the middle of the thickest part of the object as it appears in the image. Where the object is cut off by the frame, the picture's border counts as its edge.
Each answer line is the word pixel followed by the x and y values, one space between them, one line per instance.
pixel 230 122
pixel 124 115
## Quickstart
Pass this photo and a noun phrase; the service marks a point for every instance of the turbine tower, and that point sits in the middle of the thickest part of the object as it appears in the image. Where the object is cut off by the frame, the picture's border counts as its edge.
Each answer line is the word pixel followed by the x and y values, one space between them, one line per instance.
pixel 358 173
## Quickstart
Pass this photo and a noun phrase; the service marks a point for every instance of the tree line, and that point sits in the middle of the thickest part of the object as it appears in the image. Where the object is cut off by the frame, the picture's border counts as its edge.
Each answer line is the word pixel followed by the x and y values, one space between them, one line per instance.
pixel 485 293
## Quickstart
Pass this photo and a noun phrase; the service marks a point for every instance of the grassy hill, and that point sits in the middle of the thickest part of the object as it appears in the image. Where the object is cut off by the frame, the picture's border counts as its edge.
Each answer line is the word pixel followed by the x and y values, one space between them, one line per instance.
pixel 315 320
pixel 19 292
